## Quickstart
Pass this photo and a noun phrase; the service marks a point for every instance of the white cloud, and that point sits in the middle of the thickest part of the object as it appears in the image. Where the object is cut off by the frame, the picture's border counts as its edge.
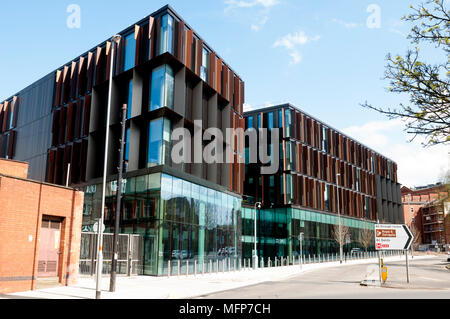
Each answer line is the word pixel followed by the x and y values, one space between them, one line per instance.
pixel 416 165
pixel 289 41
pixel 256 27
pixel 347 25
pixel 292 41
pixel 296 57
pixel 257 13
pixel 248 107
pixel 250 4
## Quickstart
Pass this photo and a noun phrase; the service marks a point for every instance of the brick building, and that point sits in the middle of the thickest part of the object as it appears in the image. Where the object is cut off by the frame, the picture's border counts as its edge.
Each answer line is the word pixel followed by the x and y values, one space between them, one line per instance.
pixel 424 208
pixel 40 230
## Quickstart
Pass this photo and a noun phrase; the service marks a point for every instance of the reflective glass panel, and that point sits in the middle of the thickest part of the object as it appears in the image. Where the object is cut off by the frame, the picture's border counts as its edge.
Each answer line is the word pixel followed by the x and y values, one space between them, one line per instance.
pixel 130 52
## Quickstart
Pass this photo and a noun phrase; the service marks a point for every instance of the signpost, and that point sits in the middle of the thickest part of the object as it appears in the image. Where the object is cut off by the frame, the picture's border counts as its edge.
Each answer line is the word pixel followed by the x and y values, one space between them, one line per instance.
pixel 300 238
pixel 393 237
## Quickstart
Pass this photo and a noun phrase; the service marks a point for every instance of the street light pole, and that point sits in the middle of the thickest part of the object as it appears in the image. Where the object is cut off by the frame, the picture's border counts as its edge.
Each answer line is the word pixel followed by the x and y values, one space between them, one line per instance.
pixel 98 292
pixel 112 283
pixel 255 254
pixel 339 218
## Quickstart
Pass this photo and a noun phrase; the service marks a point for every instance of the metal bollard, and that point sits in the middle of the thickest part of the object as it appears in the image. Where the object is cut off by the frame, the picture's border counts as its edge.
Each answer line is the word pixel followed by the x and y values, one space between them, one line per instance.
pixel 234 264
pixel 187 267
pixel 244 263
pixel 217 266
pixel 276 261
pixel 229 263
pixel 240 264
pixel 269 262
pixel 223 266
pixel 195 267
pixel 203 267
pixel 168 268
pixel 179 267
pixel 210 266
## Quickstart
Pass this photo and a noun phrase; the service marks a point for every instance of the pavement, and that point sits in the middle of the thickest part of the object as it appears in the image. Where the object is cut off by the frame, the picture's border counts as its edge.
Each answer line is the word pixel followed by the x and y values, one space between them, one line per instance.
pixel 192 286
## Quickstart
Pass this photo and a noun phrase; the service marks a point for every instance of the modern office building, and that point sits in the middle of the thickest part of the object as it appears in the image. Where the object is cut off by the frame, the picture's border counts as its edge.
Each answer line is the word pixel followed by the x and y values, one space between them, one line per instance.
pixel 168 77
pixel 306 194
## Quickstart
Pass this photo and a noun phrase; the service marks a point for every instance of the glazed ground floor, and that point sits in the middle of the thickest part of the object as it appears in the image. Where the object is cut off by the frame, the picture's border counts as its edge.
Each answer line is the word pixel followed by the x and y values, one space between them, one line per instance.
pixel 278 232
pixel 167 221
pixel 170 220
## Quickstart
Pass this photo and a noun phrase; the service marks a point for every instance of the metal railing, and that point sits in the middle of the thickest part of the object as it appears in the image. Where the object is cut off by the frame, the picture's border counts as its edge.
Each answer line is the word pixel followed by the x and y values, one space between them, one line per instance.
pixel 130 254
pixel 196 267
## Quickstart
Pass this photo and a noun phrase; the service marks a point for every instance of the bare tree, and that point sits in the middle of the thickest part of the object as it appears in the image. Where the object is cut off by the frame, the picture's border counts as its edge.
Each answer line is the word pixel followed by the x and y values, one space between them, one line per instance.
pixel 415 230
pixel 366 238
pixel 343 233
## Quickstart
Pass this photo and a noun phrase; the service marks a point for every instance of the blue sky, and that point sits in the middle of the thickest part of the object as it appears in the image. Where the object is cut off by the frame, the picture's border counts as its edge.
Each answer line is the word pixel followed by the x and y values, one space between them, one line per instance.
pixel 322 56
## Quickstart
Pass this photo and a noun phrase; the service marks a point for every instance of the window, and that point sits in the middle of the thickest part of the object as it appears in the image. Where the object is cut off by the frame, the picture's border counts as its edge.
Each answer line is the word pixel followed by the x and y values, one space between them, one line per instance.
pixel 289 162
pixel 324 139
pixel 357 179
pixel 250 122
pixel 326 196
pixel 289 189
pixel 130 52
pixel 282 184
pixel 130 99
pixel 204 67
pixel 259 121
pixel 162 88
pixel 287 122
pixel 270 120
pixel 280 118
pixel 158 142
pixel 366 207
pixel 166 38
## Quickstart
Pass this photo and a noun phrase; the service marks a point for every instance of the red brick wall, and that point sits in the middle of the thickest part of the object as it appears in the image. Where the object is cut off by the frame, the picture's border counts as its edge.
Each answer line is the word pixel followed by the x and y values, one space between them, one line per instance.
pixel 13 168
pixel 22 205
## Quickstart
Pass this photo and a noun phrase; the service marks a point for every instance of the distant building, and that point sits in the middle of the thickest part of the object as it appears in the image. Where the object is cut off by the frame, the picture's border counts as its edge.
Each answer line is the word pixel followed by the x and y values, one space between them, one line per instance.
pixel 426 209
pixel 40 230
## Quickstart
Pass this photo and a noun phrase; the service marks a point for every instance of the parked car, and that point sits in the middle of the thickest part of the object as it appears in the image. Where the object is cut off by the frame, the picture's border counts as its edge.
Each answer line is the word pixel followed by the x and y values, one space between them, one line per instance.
pixel 355 251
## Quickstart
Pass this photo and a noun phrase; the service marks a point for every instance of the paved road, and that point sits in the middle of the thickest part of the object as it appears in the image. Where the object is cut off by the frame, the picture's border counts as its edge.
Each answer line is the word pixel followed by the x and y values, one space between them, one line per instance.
pixel 429 278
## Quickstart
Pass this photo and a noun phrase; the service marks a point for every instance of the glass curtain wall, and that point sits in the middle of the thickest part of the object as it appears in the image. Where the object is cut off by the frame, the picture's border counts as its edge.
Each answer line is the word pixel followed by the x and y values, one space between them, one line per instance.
pixel 130 52
pixel 175 219
pixel 278 231
pixel 159 142
pixel 162 88
pixel 166 38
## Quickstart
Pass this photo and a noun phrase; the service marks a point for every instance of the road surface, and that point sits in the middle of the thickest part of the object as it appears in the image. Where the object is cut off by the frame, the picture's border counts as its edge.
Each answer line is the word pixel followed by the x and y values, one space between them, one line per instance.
pixel 429 278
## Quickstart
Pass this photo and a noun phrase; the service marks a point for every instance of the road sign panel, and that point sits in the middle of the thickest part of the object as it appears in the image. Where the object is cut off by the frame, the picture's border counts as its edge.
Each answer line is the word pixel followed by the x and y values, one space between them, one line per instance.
pixel 392 237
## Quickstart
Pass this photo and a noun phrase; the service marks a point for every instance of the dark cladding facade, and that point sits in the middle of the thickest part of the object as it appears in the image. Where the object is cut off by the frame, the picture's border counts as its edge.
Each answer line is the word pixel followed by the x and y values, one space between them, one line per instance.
pixel 302 195
pixel 169 77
